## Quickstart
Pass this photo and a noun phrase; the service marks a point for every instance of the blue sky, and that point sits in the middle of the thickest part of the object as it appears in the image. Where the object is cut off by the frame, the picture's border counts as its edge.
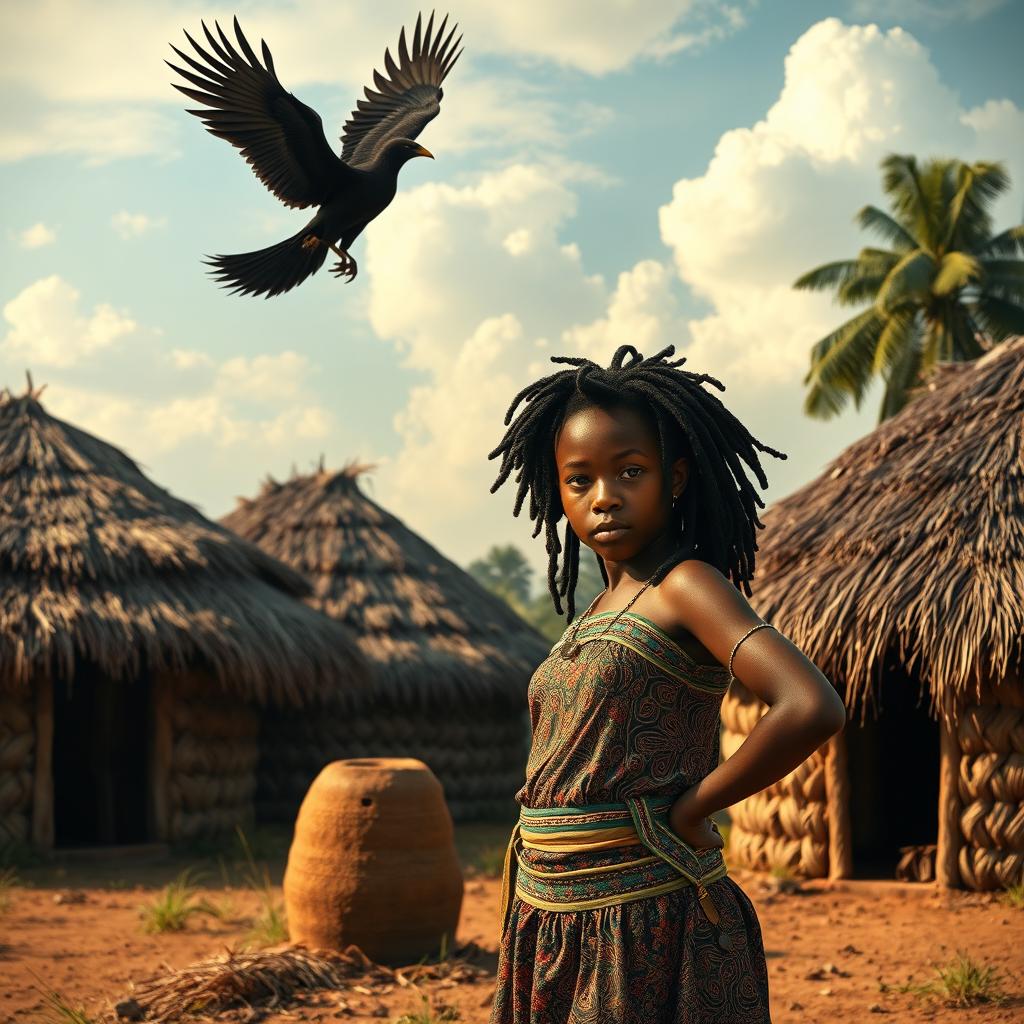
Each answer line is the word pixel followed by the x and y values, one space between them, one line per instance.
pixel 643 173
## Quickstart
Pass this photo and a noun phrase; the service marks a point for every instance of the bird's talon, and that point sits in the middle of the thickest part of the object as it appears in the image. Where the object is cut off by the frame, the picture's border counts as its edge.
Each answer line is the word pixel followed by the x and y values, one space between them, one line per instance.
pixel 346 268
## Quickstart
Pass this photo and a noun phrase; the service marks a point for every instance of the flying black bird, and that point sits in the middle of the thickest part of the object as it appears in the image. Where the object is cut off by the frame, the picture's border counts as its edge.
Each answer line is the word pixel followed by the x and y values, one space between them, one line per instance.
pixel 283 140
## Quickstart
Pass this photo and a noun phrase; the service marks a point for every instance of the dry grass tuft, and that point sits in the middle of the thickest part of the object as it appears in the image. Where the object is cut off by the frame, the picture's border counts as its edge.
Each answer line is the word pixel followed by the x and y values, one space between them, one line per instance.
pixel 430 1014
pixel 1014 896
pixel 57 1009
pixel 270 927
pixel 179 901
pixel 961 983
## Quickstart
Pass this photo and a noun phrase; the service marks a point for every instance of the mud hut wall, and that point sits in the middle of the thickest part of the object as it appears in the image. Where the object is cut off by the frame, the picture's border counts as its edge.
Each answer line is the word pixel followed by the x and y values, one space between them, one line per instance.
pixel 211 744
pixel 991 786
pixel 785 825
pixel 479 756
pixel 17 766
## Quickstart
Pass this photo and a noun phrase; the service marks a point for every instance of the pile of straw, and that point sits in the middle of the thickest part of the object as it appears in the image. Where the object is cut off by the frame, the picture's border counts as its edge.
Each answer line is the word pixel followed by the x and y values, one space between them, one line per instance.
pixel 271 979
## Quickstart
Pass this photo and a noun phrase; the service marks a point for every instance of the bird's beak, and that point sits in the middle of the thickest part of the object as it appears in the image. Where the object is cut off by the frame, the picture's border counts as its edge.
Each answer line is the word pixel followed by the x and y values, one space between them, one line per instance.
pixel 421 151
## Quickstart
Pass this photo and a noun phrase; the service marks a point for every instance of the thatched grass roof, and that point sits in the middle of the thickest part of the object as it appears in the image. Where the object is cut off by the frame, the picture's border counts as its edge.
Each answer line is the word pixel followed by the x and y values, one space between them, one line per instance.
pixel 431 631
pixel 97 562
pixel 910 544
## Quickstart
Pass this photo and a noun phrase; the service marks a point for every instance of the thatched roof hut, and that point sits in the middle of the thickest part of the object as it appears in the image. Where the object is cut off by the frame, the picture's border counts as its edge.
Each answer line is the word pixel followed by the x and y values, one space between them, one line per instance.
pixel 451 661
pixel 139 607
pixel 899 571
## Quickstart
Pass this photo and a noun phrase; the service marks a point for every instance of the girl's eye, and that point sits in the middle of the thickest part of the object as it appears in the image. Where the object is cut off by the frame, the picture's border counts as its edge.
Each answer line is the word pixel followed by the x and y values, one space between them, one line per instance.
pixel 637 470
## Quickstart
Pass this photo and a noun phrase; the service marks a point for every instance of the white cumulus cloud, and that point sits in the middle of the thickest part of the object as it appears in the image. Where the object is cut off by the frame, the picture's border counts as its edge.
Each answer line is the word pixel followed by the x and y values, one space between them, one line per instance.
pixel 267 377
pixel 90 92
pixel 55 48
pixel 157 400
pixel 47 327
pixel 476 285
pixel 643 311
pixel 455 257
pixel 135 225
pixel 36 236
pixel 98 135
pixel 779 198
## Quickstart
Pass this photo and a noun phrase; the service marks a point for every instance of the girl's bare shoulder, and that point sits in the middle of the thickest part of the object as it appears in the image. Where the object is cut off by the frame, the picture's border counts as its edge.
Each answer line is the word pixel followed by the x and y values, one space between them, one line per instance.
pixel 698 597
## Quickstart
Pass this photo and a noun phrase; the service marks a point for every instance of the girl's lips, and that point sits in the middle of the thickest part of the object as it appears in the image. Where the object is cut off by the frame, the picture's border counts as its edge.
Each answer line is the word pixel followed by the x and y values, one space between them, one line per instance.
pixel 604 535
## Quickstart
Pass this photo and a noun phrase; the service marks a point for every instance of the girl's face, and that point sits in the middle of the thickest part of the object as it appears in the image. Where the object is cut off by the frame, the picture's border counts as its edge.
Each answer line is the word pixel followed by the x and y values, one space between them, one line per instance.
pixel 609 472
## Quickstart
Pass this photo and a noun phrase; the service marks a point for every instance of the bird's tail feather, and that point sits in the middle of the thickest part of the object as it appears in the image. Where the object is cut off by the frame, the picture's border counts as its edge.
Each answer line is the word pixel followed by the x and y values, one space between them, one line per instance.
pixel 271 271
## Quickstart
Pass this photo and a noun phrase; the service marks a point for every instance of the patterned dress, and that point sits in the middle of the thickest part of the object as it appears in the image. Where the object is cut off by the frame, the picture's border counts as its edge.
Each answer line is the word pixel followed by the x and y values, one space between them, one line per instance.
pixel 631 715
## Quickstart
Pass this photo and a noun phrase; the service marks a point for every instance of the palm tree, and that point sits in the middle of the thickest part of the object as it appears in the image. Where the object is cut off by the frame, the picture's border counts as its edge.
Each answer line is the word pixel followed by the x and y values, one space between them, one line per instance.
pixel 945 290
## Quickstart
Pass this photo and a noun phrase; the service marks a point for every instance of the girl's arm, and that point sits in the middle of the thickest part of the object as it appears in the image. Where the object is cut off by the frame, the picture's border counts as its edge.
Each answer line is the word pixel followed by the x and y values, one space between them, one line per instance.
pixel 804 708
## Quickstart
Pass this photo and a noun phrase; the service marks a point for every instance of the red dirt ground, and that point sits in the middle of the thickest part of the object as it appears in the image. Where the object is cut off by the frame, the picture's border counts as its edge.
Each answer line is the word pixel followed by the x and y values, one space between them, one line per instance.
pixel 832 948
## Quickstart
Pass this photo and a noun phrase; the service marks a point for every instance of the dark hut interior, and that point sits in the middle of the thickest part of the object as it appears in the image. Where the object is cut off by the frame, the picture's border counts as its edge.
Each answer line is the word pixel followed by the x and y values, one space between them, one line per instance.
pixel 101 771
pixel 893 765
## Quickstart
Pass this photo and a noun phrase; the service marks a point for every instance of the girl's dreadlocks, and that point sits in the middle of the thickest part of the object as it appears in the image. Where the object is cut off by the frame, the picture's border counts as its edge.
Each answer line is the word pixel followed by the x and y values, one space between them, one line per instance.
pixel 689 420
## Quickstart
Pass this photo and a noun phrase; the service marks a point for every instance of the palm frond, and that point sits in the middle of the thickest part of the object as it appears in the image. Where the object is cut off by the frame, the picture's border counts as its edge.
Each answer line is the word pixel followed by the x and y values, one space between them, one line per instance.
pixel 965 333
pixel 861 289
pixel 1007 285
pixel 841 365
pixel 873 219
pixel 979 184
pixel 901 329
pixel 873 265
pixel 1007 243
pixel 1001 273
pixel 869 256
pixel 828 275
pixel 999 318
pixel 936 345
pixel 999 268
pixel 902 183
pixel 911 278
pixel 901 378
pixel 957 270
pixel 937 179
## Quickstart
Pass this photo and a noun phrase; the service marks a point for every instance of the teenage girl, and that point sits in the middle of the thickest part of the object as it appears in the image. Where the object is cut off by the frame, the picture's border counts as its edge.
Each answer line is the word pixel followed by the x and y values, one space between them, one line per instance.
pixel 617 905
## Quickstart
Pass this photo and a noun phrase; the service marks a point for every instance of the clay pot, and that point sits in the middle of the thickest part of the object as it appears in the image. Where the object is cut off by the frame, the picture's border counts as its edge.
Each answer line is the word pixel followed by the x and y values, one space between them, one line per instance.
pixel 373 861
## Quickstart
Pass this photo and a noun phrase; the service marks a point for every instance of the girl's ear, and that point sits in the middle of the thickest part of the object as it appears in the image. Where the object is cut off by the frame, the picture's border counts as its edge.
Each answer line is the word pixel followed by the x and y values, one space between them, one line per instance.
pixel 680 474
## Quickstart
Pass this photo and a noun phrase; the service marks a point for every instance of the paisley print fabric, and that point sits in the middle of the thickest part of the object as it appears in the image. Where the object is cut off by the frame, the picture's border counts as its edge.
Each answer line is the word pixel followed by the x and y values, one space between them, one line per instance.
pixel 632 715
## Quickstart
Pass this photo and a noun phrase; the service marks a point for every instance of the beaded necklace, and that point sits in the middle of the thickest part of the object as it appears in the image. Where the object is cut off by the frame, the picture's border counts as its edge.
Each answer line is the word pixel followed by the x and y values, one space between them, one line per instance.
pixel 570 648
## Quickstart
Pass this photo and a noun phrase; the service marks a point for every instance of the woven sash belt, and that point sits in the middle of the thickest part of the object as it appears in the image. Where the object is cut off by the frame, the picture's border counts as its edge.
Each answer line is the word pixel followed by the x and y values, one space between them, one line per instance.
pixel 672 863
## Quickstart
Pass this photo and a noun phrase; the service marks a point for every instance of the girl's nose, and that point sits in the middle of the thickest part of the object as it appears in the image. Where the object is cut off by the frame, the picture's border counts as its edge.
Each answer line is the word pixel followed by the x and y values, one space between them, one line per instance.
pixel 605 498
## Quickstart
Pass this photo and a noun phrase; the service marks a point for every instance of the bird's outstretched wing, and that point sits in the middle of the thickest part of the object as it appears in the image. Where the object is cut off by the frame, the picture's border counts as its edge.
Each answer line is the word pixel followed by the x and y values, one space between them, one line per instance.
pixel 281 137
pixel 403 103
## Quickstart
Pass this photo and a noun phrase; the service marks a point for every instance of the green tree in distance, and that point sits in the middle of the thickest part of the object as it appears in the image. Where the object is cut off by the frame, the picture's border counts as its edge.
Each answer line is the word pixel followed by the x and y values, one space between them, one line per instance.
pixel 944 281
pixel 505 572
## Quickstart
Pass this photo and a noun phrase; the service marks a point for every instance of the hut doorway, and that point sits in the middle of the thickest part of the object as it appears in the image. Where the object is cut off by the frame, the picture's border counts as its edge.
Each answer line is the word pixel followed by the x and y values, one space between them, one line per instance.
pixel 893 760
pixel 100 772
